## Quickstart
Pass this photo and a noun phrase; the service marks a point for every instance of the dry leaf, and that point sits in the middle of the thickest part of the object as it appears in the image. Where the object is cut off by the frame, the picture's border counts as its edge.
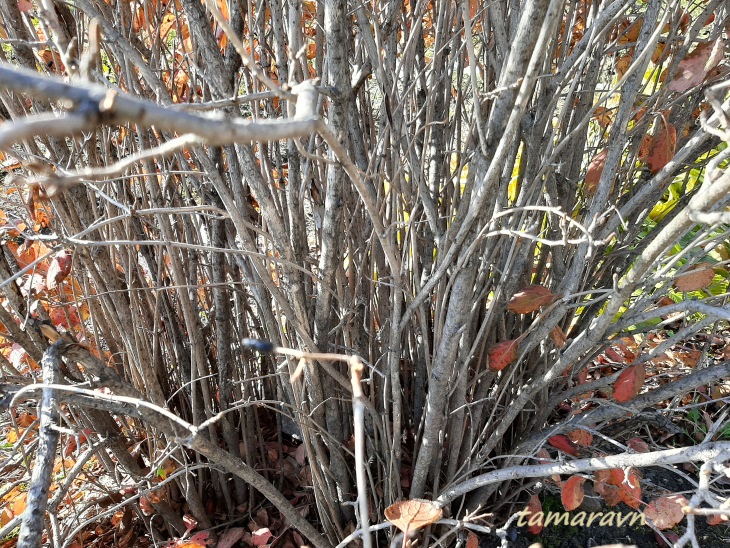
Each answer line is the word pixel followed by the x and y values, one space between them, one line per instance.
pixel 698 277
pixel 581 437
pixel 411 515
pixel 572 493
pixel 666 512
pixel 503 354
pixel 558 336
pixel 638 445
pixel 629 383
pixel 530 299
pixel 662 151
pixel 472 541
pixel 534 507
pixel 594 171
pixel 60 268
pixel 693 69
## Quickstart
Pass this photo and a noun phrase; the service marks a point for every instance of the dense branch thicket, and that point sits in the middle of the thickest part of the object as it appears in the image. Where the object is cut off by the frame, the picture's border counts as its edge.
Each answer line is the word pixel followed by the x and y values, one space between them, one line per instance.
pixel 202 190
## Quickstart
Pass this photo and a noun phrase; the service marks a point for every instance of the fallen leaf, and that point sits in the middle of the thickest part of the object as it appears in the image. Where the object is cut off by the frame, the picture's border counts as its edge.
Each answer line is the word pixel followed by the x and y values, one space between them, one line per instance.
pixel 666 512
pixel 411 515
pixel 472 541
pixel 572 493
pixel 534 507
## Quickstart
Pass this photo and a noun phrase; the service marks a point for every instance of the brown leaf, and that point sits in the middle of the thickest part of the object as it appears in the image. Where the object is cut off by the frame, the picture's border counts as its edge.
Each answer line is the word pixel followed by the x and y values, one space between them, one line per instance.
pixel 645 148
pixel 558 336
pixel 503 354
pixel 411 515
pixel 472 541
pixel 665 144
pixel 594 171
pixel 629 383
pixel 638 445
pixel 693 69
pixel 572 493
pixel 603 116
pixel 530 299
pixel 698 277
pixel 563 444
pixel 666 512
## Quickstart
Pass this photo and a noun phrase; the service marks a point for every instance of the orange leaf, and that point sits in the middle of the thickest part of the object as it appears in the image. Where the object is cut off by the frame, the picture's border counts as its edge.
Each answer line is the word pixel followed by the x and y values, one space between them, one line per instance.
pixel 594 171
pixel 530 299
pixel 698 277
pixel 630 490
pixel 573 493
pixel 629 383
pixel 503 354
pixel 603 116
pixel 693 69
pixel 581 437
pixel 472 541
pixel 411 515
pixel 665 144
pixel 666 512
pixel 534 507
pixel 563 444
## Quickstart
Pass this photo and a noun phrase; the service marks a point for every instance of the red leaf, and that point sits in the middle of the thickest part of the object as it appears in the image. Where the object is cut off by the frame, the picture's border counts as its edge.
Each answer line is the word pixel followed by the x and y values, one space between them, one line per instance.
pixel 261 537
pixel 530 299
pixel 629 383
pixel 534 507
pixel 503 354
pixel 693 69
pixel 630 490
pixel 665 144
pixel 594 171
pixel 472 541
pixel 573 493
pixel 563 444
